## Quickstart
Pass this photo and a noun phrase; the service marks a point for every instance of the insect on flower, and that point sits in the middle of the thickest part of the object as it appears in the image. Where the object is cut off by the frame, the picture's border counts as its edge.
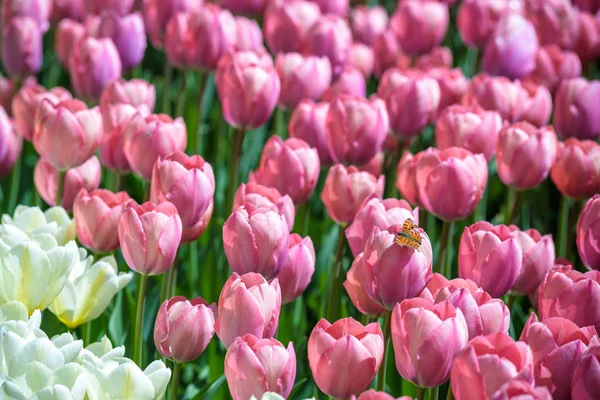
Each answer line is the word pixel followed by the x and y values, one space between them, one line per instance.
pixel 409 236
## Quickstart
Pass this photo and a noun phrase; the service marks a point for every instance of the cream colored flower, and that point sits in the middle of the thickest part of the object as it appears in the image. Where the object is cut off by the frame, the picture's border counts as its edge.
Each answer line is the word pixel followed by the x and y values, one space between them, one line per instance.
pixel 34 222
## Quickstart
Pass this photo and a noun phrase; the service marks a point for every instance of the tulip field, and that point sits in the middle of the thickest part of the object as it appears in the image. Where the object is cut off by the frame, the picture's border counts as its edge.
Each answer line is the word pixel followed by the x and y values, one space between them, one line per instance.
pixel 299 199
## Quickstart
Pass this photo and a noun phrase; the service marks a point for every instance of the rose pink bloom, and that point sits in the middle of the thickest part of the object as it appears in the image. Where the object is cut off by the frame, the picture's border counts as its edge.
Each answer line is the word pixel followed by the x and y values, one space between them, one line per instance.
pixel 553 65
pixel 69 121
pixel 538 258
pixel 556 21
pixel 298 269
pixel 538 106
pixel 345 190
pixel 188 183
pixel 490 256
pixel 339 7
pixel 245 7
pixel 576 172
pixel 451 182
pixel 287 23
pixel 351 82
pixel 68 33
pixel 38 10
pixel 373 395
pixel 407 177
pixel 115 119
pixel 93 63
pixel 256 239
pixel 291 166
pixel 368 23
pixel 26 103
pixel 586 374
pixel 487 364
pixel 477 19
pixel 412 99
pixel 151 137
pixel 249 36
pixel 453 85
pixel 375 165
pixel 183 328
pixel 588 42
pixel 587 5
pixel 121 7
pixel 512 48
pixel 157 14
pixel 557 345
pixel 388 54
pixel 136 92
pixel 420 25
pixel 330 36
pixel 21 46
pixel 7 91
pixel 347 342
pixel 11 144
pixel 265 197
pixel 517 390
pixel 380 213
pixel 525 154
pixel 179 40
pixel 255 366
pixel 248 88
pixel 308 122
pixel 473 128
pixel 127 32
pixel 248 304
pixel 588 232
pixel 86 176
pixel 426 339
pixel 574 113
pixel 439 57
pixel 200 227
pixel 97 215
pixel 149 235
pixel 355 287
pixel 92 26
pixel 214 32
pixel 67 9
pixel 362 58
pixel 302 77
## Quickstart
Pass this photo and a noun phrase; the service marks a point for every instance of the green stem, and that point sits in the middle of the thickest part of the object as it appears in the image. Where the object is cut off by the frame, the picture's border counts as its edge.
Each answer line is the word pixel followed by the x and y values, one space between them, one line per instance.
pixel 449 395
pixel 387 326
pixel 146 192
pixel 181 97
pixel 280 117
pixel 392 170
pixel 511 302
pixel 435 393
pixel 481 209
pixel 172 290
pixel 563 226
pixel 139 321
pixel 194 269
pixel 15 183
pixel 165 286
pixel 443 247
pixel 232 182
pixel 420 393
pixel 514 211
pixel 573 214
pixel 60 187
pixel 202 78
pixel 333 302
pixel 168 77
pixel 301 216
pixel 86 333
pixel 175 380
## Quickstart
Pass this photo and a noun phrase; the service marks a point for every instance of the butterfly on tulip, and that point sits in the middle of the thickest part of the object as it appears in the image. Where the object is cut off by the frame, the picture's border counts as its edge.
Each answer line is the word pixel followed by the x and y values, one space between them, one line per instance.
pixel 409 236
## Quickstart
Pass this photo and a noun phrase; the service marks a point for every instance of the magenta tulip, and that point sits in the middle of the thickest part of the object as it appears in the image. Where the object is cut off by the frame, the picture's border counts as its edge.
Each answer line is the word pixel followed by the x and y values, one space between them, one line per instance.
pixel 574 114
pixel 554 65
pixel 245 7
pixel 351 82
pixel 477 19
pixel 588 230
pixel 308 122
pixel 576 172
pixel 7 91
pixel 586 374
pixel 339 7
pixel 249 37
pixel 265 197
pixel 116 118
pixel 38 10
pixel 556 21
pixel 355 287
pixel 127 32
pixel 121 7
pixel 368 23
pixel 21 46
pixel 298 269
pixel 407 177
pixel 388 54
pixel 420 25
pixel 330 36
pixel 157 14
pixel 68 33
pixel 439 57
pixel 67 9
pixel 538 258
pixel 302 77
pixel 587 46
pixel 11 144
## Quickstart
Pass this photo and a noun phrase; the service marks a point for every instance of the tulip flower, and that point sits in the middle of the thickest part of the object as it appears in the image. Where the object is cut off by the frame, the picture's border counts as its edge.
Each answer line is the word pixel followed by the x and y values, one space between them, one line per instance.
pixel 351 82
pixel 557 345
pixel 439 57
pixel 554 65
pixel 264 236
pixel 265 197
pixel 516 389
pixel 555 21
pixel 298 269
pixel 538 258
pixel 345 342
pixel 388 54
pixel 251 7
pixel 420 25
pixel 254 366
pixel 487 364
pixel 345 190
pixel 214 31
pixel 588 230
pixel 573 115
pixel 302 77
pixel 21 46
pixel 330 36
pixel 453 85
pixel 7 91
pixel 585 376
pixel 46 177
pixel 68 33
pixel 355 287
pixel 11 144
pixel 373 395
pixel 135 92
pixel 249 36
pixel 183 328
pixel 67 9
pixel 368 23
pixel 339 7
pixel 178 40
pixel 426 338
pixel 362 58
pixel 407 177
pixel 38 10
pixel 157 14
pixel 308 122
pixel 287 23
pixel 127 32
pixel 248 304
pixel 97 215
pixel 576 172
pixel 477 19
pixel 517 144
pixel 119 7
pixel 116 118
pixel 32 221
pixel 587 46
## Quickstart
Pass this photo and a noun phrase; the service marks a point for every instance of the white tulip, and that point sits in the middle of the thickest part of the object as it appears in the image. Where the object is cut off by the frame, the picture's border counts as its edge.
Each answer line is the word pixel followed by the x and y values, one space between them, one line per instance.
pixel 89 290
pixel 34 222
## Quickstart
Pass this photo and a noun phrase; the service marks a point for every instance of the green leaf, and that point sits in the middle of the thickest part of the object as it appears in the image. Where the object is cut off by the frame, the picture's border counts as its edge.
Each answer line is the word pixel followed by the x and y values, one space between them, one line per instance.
pixel 210 391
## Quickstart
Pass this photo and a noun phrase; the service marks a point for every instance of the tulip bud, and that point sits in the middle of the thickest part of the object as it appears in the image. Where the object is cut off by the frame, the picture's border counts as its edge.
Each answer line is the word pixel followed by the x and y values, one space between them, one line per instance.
pixel 245 7
pixel 586 375
pixel 11 144
pixel 115 119
pixel 477 19
pixel 287 23
pixel 351 82
pixel 157 13
pixel 556 22
pixel 127 33
pixel 362 57
pixel 38 10
pixel 588 229
pixel 183 328
pixel 554 65
pixel 248 304
pixel 574 114
pixel 149 235
pixel 368 23
pixel 453 85
pixel 388 54
pixel 302 77
pixel 249 36
pixel 136 92
pixel 587 46
pixel 121 7
pixel 407 177
pixel 297 271
pixel 420 25
pixel 178 40
pixel 21 46
pixel 265 197
pixel 307 122
pixel 7 91
pixel 538 258
pixel 576 172
pixel 355 287
pixel 214 32
pixel 330 36
pixel 68 33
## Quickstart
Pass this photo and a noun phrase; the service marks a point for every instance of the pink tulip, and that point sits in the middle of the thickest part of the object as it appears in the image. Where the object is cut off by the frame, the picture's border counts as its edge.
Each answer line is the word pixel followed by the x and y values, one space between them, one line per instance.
pixel 517 390
pixel 245 7
pixel 553 65
pixel 11 144
pixel 490 256
pixel 576 172
pixel 93 63
pixel 380 213
pixel 136 92
pixel 368 23
pixel 538 258
pixel 339 7
pixel 373 395
pixel 121 7
pixel 557 345
pixel 157 14
pixel 412 99
pixel 248 87
pixel 68 33
pixel 586 374
pixel 200 227
pixel 38 10
pixel 587 46
pixel 362 57
pixel 556 21
pixel 477 19
pixel 127 32
pixel 214 33
pixel 588 230
pixel 388 54
pixel 330 36
pixel 487 364
pixel 407 177
pixel 67 9
pixel 179 38
pixel 426 338
pixel 308 122
pixel 85 176
pixel 451 182
pixel 587 5
pixel 7 91
pixel 116 118
pixel 21 46
pixel 68 122
pixel 453 85
pixel 345 190
pixel 375 165
pixel 525 154
pixel 149 235
pixel 473 128
pixel 355 287
pixel 183 328
pixel 248 304
pixel 574 114
pixel 287 23
pixel 512 48
pixel 292 167
pixel 255 366
pixel 298 269
pixel 538 105
pixel 249 37
pixel 97 215
pixel 149 138
pixel 92 26
pixel 420 25
pixel 351 82
pixel 265 197
pixel 26 103
pixel 358 348
pixel 439 57
pixel 264 237
pixel 302 77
